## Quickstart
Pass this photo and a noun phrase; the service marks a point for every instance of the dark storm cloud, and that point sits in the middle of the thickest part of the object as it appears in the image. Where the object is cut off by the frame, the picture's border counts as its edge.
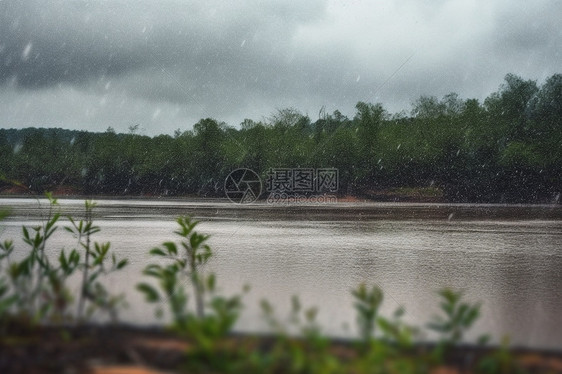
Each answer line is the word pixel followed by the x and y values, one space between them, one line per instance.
pixel 74 41
pixel 530 33
pixel 46 43
pixel 170 62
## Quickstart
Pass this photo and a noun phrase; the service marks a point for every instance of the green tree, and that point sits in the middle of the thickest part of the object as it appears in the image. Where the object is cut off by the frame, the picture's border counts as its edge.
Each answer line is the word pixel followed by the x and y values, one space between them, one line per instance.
pixel 368 120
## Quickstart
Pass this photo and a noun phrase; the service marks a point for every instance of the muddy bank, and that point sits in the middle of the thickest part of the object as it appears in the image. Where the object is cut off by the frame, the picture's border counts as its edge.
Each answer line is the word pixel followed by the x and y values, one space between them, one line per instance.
pixel 130 349
pixel 346 209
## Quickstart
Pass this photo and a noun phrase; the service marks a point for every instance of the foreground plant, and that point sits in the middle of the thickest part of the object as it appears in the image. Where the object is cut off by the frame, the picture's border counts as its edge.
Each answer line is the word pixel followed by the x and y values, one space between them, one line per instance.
pixel 92 291
pixel 7 299
pixel 367 304
pixel 456 318
pixel 35 289
pixel 500 361
pixel 300 346
pixel 214 315
pixel 393 350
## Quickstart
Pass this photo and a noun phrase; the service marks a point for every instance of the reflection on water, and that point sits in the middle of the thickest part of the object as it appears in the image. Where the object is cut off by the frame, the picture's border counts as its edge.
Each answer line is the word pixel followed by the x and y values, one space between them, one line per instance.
pixel 514 266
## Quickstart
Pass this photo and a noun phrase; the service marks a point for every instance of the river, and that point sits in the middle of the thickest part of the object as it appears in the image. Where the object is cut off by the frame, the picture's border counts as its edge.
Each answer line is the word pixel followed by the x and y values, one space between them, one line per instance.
pixel 509 258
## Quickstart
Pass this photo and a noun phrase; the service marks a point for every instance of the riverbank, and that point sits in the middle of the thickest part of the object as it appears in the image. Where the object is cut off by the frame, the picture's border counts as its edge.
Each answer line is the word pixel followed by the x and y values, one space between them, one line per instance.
pixel 130 349
pixel 397 195
pixel 221 208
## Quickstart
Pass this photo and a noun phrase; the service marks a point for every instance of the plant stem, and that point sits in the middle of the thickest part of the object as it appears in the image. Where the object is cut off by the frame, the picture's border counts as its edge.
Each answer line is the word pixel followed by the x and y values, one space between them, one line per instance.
pixel 82 299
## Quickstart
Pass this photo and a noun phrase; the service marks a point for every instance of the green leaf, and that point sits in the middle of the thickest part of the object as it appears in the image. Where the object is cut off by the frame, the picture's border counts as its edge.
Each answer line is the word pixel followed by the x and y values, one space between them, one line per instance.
pixel 149 292
pixel 25 233
pixel 153 271
pixel 211 281
pixel 157 252
pixel 74 257
pixel 171 247
pixel 62 261
pixel 121 264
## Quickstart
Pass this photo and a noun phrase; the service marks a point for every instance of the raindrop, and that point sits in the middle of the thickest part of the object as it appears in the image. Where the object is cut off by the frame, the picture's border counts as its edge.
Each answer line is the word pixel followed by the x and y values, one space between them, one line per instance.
pixel 13 81
pixel 450 216
pixel 17 147
pixel 243 42
pixel 399 145
pixel 26 51
pixel 358 78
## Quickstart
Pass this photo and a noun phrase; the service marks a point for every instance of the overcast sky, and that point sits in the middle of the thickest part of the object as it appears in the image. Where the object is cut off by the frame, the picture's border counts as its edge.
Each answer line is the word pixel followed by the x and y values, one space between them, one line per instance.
pixel 166 64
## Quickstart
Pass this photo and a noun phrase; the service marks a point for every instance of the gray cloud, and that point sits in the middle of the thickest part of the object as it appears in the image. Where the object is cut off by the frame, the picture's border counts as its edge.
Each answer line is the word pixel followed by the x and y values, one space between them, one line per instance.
pixel 165 64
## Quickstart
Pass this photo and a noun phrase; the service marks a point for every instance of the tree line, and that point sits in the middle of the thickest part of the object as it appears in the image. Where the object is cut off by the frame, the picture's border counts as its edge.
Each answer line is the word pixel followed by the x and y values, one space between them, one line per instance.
pixel 507 148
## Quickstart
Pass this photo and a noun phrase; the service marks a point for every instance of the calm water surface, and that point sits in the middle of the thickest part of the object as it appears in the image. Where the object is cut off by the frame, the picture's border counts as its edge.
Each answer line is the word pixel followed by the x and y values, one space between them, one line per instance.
pixel 507 257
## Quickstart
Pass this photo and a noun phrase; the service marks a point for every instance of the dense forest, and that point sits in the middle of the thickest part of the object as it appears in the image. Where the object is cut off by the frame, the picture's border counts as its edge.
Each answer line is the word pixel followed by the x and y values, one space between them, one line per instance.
pixel 507 148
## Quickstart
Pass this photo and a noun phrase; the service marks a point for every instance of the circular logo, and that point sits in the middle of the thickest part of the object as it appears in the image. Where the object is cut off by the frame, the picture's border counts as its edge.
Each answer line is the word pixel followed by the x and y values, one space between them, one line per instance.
pixel 242 186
